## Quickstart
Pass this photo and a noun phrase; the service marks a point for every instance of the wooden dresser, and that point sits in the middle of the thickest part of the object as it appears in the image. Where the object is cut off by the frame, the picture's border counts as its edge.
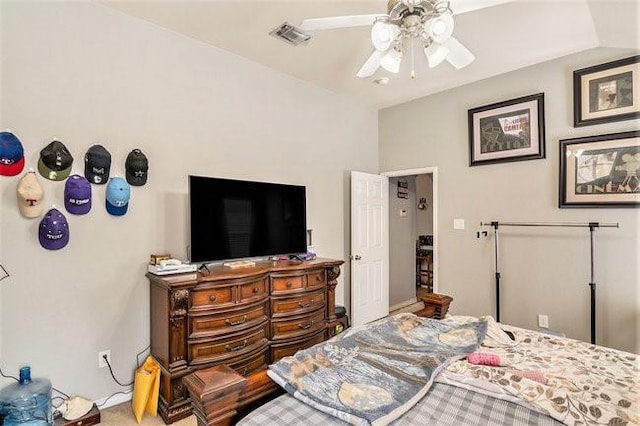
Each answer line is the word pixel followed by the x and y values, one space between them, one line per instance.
pixel 244 318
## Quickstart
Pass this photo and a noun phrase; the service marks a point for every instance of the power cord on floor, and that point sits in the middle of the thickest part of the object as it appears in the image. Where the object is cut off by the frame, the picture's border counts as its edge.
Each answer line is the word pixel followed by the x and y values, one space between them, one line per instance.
pixel 112 395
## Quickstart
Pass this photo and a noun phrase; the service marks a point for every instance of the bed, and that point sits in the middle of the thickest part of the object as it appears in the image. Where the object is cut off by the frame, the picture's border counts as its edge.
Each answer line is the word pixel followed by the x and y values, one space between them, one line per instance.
pixel 477 372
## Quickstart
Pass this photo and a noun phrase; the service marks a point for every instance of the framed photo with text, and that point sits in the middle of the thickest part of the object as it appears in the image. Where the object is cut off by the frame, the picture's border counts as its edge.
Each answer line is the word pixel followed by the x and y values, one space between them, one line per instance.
pixel 600 171
pixel 607 92
pixel 506 131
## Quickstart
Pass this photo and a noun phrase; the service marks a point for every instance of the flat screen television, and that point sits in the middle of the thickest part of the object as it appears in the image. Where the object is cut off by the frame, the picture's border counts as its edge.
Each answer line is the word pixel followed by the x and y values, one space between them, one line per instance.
pixel 237 219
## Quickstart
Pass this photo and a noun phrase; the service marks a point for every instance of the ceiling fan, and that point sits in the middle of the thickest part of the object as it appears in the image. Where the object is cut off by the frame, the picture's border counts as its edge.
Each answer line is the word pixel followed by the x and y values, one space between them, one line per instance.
pixel 430 22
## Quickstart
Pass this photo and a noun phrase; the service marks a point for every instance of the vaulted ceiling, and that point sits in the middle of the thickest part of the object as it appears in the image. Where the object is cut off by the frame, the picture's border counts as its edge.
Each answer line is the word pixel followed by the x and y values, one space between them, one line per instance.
pixel 503 38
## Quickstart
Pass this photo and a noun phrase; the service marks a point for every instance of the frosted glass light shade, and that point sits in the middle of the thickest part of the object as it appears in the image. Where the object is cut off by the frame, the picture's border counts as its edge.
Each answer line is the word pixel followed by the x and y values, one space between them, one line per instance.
pixel 440 28
pixel 383 34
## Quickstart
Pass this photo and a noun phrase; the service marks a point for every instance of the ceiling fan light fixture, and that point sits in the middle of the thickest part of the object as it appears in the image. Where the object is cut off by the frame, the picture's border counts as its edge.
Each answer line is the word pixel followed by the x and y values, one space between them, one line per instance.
pixel 436 53
pixel 440 28
pixel 383 34
pixel 391 61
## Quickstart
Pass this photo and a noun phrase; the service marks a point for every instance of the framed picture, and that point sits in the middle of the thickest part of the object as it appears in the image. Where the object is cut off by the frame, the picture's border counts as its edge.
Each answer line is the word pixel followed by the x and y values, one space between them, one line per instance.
pixel 507 131
pixel 403 189
pixel 600 171
pixel 607 92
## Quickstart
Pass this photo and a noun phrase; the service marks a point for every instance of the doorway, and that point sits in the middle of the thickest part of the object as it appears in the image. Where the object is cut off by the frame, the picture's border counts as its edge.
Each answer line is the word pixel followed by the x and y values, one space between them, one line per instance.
pixel 413 260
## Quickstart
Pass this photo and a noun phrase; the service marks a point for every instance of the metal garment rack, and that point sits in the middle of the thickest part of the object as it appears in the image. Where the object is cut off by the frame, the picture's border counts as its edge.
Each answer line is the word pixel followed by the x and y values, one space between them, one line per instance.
pixel 592 284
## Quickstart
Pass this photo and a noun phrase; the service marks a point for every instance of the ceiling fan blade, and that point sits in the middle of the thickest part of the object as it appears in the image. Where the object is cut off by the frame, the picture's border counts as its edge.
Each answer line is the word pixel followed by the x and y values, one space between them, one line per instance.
pixel 371 65
pixel 339 22
pixel 463 6
pixel 459 56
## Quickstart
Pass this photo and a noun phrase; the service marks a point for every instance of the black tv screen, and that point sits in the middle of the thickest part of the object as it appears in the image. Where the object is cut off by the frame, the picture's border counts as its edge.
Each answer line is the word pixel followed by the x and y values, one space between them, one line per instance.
pixel 235 219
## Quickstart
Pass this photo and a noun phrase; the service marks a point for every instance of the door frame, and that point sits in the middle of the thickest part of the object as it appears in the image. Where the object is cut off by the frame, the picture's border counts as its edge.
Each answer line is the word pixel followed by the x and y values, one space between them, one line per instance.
pixel 433 171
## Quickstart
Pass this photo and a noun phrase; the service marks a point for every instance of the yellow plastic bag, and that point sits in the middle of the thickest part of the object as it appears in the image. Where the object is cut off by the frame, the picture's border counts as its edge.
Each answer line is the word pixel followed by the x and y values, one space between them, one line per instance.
pixel 146 387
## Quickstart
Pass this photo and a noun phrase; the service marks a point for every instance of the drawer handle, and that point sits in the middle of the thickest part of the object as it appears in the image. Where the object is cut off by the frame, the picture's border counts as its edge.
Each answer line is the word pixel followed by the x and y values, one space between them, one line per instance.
pixel 242 345
pixel 307 326
pixel 245 371
pixel 212 298
pixel 305 305
pixel 289 284
pixel 318 278
pixel 232 323
pixel 255 289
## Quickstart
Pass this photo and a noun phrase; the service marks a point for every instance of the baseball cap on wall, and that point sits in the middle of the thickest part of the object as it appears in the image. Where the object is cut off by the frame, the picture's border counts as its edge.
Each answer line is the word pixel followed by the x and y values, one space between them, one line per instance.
pixel 77 195
pixel 30 195
pixel 55 161
pixel 117 194
pixel 97 163
pixel 11 154
pixel 54 230
pixel 137 168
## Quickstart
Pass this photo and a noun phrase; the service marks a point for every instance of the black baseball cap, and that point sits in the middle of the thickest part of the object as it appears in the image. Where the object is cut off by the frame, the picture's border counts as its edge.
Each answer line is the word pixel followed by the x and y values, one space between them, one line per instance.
pixel 55 161
pixel 97 163
pixel 137 168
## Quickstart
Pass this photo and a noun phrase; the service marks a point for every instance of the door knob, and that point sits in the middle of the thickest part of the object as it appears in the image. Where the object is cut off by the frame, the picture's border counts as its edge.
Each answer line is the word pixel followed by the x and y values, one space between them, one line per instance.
pixel 356 257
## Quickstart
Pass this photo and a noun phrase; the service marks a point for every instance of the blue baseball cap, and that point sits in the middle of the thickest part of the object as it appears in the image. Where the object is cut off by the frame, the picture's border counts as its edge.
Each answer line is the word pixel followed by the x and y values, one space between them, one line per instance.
pixel 118 193
pixel 11 154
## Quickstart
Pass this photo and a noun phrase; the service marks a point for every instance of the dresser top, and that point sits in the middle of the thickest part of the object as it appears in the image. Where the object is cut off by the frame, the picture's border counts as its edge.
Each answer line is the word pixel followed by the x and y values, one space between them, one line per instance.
pixel 223 273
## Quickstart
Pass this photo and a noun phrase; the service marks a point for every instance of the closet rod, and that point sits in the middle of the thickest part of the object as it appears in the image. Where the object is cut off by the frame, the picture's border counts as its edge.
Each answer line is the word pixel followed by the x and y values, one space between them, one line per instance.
pixel 562 224
pixel 592 284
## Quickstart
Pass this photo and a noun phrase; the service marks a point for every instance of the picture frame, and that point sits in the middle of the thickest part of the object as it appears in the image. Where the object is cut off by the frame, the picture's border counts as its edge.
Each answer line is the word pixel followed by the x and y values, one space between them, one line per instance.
pixel 507 131
pixel 600 171
pixel 607 92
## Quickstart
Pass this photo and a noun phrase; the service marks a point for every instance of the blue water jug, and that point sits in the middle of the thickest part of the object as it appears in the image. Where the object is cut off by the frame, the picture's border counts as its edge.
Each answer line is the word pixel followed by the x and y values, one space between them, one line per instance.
pixel 26 403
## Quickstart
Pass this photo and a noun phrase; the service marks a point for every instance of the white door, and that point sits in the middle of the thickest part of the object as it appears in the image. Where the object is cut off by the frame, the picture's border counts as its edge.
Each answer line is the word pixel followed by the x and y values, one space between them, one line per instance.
pixel 369 247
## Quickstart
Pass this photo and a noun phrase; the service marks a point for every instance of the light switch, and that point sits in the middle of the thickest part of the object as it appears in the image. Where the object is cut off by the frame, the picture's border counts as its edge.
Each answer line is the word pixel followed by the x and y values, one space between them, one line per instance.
pixel 458 223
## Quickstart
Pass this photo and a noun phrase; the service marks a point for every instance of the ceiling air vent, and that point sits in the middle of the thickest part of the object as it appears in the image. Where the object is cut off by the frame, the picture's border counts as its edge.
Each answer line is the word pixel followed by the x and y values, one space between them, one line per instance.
pixel 291 34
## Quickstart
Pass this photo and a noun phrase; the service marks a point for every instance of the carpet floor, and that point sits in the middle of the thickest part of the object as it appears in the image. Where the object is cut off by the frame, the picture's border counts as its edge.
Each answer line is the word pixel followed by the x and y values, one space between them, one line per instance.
pixel 121 415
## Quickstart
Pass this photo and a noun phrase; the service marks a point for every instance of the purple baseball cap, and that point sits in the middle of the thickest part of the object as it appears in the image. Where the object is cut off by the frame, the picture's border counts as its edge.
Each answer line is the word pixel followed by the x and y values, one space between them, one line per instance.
pixel 54 230
pixel 77 195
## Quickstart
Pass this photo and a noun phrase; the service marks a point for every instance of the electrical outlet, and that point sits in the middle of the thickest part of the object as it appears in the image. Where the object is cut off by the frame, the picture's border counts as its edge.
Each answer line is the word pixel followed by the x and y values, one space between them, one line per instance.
pixel 101 361
pixel 543 321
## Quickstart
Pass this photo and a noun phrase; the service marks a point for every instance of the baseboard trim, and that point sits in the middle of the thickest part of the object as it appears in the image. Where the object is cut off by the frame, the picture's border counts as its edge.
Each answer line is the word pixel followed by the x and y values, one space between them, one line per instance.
pixel 403 304
pixel 114 399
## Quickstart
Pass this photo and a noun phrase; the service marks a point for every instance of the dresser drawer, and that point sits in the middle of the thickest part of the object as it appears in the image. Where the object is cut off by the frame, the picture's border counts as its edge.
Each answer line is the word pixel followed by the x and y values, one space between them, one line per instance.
pixel 299 326
pixel 287 284
pixel 203 324
pixel 280 350
pixel 212 297
pixel 235 346
pixel 253 291
pixel 316 279
pixel 252 363
pixel 293 305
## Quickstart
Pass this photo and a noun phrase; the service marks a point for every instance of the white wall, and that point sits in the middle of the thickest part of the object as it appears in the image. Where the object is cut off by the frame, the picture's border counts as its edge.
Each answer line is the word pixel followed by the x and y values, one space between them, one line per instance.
pixel 87 74
pixel 544 270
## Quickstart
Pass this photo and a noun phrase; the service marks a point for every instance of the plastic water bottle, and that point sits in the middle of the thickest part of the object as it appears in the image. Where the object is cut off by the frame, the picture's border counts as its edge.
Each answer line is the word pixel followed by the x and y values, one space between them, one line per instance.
pixel 26 403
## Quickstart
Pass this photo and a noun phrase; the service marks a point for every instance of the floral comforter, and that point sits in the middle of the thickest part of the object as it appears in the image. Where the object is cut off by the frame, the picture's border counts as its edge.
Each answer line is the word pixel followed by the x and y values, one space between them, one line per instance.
pixel 574 382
